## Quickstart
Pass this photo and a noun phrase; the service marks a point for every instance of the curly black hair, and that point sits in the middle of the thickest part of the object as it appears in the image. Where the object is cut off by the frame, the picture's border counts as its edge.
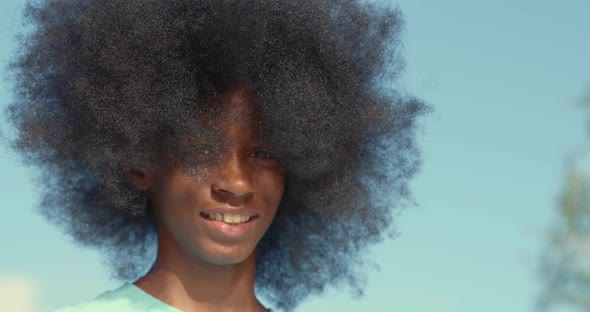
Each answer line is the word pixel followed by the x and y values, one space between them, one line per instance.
pixel 102 86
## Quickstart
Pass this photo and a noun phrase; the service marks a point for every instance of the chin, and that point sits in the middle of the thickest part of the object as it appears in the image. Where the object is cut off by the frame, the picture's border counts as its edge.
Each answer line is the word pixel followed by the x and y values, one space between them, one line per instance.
pixel 226 255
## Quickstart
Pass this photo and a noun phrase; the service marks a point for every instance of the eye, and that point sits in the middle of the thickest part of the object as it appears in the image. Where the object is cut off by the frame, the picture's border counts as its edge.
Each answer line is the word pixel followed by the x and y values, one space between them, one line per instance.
pixel 262 154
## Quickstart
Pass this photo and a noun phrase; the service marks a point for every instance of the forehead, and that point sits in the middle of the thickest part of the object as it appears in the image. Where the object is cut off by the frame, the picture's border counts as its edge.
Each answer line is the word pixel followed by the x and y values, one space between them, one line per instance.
pixel 233 107
pixel 229 119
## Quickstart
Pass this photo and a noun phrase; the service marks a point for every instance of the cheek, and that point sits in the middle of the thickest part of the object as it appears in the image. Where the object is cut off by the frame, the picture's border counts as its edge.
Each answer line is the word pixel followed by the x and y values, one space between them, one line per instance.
pixel 273 187
pixel 177 201
pixel 174 209
pixel 179 214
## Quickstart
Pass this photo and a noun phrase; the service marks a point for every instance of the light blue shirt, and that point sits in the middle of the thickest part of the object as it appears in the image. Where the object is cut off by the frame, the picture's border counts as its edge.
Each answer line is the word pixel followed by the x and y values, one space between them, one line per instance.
pixel 127 298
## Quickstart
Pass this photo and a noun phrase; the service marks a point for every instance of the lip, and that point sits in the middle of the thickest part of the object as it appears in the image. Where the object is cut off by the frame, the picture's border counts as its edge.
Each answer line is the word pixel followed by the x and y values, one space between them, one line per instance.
pixel 242 211
pixel 227 232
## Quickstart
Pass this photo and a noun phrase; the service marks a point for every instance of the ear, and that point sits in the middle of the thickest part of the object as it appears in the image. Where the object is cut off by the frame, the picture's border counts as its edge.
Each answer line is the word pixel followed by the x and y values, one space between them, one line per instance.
pixel 141 179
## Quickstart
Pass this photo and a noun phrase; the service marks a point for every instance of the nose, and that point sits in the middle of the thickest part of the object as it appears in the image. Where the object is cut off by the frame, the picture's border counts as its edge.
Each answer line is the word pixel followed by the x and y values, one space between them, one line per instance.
pixel 233 184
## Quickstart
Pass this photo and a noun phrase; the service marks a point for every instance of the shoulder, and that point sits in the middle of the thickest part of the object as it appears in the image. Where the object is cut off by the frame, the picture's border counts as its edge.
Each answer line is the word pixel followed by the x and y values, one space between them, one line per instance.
pixel 99 306
pixel 117 300
pixel 95 306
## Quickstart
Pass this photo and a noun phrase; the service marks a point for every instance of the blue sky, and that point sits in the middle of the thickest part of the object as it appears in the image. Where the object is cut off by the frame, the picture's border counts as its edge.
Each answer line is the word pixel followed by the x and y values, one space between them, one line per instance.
pixel 503 76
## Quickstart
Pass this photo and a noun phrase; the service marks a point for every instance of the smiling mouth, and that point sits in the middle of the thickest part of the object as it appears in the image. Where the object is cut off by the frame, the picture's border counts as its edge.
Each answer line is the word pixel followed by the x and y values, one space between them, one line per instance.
pixel 228 218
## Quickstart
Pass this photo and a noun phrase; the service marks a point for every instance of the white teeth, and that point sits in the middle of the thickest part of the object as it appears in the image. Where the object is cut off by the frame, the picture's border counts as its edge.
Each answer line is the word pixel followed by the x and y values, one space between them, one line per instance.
pixel 230 218
pixel 236 218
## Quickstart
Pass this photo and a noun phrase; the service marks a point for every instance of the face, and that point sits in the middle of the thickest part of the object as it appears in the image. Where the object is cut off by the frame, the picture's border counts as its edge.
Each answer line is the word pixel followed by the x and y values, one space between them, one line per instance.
pixel 220 216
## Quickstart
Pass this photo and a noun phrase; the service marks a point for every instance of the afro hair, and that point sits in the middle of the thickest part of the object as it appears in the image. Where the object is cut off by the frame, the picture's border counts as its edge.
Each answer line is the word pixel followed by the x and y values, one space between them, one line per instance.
pixel 102 86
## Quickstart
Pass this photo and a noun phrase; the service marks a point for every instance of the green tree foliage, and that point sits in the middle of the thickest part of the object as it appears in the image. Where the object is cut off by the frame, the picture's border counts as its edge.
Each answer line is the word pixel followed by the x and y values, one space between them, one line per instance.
pixel 565 265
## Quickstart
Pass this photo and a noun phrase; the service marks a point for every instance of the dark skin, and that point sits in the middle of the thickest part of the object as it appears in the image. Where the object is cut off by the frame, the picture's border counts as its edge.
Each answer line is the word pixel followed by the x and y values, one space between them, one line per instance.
pixel 204 264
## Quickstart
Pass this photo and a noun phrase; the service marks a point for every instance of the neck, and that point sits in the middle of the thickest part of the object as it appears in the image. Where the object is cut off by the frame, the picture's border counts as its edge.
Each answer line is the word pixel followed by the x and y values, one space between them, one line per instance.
pixel 190 284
